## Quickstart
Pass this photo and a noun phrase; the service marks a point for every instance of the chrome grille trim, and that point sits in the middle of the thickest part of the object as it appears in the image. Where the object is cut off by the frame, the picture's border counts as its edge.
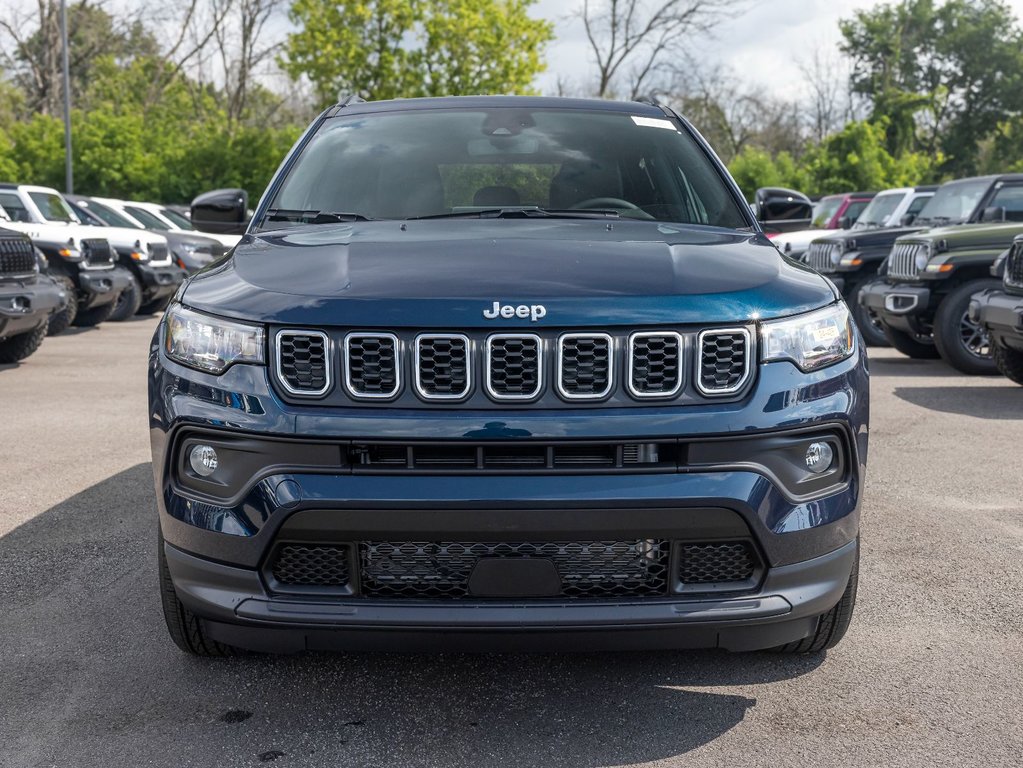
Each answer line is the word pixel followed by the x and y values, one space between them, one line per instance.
pixel 417 378
pixel 350 387
pixel 630 372
pixel 747 368
pixel 902 261
pixel 279 368
pixel 560 384
pixel 488 383
pixel 819 256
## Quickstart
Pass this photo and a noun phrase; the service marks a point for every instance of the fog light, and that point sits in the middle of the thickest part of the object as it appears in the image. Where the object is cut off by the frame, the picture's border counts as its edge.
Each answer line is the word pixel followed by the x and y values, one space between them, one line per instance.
pixel 203 460
pixel 819 457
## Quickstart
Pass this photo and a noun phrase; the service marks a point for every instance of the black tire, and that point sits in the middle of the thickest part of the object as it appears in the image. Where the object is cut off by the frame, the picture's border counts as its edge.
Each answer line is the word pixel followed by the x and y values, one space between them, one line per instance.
pixel 63 320
pixel 157 305
pixel 128 303
pixel 185 628
pixel 831 626
pixel 866 319
pixel 19 347
pixel 916 347
pixel 87 318
pixel 962 343
pixel 1010 363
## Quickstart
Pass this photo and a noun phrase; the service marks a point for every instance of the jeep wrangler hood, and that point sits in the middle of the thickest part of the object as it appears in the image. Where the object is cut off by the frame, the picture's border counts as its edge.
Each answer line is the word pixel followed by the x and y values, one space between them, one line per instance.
pixel 868 239
pixel 445 273
pixel 980 236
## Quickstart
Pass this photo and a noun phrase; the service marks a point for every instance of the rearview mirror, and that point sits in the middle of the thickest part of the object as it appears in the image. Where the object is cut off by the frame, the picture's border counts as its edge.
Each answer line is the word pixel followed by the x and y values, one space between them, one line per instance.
pixel 777 204
pixel 908 219
pixel 995 213
pixel 223 211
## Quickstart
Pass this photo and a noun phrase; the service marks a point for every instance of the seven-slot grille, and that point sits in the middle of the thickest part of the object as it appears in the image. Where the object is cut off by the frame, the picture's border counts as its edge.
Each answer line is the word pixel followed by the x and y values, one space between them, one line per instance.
pixel 1014 266
pixel 902 261
pixel 446 366
pixel 17 256
pixel 97 253
pixel 303 361
pixel 442 366
pixel 159 254
pixel 724 362
pixel 822 256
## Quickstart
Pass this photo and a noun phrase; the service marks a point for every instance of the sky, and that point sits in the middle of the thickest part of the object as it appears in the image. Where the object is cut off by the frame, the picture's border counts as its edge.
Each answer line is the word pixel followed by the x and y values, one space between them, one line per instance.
pixel 760 45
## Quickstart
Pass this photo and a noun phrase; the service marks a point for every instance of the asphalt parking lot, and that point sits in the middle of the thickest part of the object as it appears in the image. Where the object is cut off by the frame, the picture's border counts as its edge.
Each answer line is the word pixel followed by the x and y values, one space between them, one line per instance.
pixel 929 675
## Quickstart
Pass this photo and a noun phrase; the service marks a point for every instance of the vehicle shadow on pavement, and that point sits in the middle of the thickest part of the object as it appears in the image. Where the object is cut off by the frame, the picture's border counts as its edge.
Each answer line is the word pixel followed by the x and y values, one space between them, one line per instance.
pixel 90 677
pixel 999 402
pixel 907 366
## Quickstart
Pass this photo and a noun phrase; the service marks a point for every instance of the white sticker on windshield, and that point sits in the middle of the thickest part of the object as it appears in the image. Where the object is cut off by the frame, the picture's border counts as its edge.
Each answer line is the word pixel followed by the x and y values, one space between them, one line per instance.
pixel 653 122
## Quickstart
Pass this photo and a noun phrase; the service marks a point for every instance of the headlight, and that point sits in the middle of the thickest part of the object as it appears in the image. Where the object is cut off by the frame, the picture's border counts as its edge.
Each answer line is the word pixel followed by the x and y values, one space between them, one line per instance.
pixel 209 343
pixel 811 341
pixel 922 258
pixel 140 251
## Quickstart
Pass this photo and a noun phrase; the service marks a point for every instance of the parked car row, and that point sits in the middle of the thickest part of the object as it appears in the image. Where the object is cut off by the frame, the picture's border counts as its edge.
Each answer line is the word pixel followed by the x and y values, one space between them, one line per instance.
pixel 107 259
pixel 920 268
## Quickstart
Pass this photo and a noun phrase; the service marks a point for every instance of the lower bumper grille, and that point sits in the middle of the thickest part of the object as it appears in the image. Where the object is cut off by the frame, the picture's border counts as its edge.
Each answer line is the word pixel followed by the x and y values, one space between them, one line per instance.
pixel 586 569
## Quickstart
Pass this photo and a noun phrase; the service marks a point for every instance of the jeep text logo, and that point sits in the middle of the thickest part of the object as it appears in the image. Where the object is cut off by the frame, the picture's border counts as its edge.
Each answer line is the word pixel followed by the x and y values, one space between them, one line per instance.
pixel 534 312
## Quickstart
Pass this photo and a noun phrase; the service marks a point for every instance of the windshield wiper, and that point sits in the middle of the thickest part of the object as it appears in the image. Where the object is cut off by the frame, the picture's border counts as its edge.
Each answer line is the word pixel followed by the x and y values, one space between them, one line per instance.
pixel 313 216
pixel 511 212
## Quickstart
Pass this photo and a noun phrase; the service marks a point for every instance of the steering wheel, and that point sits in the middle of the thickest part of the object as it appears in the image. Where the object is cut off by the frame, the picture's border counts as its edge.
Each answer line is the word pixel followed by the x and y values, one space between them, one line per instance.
pixel 605 202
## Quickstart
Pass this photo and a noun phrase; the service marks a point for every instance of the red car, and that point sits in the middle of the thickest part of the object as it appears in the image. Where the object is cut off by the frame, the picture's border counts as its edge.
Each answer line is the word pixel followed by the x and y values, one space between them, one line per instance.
pixel 840 211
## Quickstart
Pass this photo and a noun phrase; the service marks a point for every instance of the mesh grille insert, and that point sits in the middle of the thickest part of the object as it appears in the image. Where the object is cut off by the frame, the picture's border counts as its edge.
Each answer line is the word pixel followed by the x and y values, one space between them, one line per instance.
pixel 585 366
pixel 514 367
pixel 97 252
pixel 303 565
pixel 302 362
pixel 716 563
pixel 724 360
pixel 656 365
pixel 588 569
pixel 372 365
pixel 17 256
pixel 443 366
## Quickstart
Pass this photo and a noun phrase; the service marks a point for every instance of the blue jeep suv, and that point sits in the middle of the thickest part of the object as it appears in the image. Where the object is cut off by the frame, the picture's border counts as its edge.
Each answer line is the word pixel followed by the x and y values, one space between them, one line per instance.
pixel 513 373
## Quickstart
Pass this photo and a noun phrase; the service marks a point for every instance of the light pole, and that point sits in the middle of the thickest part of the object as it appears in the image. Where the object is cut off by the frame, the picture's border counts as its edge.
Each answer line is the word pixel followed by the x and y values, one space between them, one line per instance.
pixel 69 177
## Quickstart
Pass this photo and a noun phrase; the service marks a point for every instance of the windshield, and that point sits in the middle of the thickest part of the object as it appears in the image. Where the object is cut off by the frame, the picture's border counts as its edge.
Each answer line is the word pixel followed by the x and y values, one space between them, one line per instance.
pixel 177 219
pixel 110 216
pixel 825 211
pixel 144 217
pixel 420 163
pixel 953 203
pixel 879 211
pixel 15 209
pixel 52 206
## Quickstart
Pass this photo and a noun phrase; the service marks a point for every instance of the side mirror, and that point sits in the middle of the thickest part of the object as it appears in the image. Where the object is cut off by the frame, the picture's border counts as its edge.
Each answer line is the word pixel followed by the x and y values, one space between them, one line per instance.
pixel 223 211
pixel 996 213
pixel 845 222
pixel 908 219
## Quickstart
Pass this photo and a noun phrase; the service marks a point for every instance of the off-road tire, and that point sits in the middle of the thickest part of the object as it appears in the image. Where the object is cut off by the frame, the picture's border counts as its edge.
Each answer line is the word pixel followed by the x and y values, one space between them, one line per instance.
pixel 87 318
pixel 17 348
pixel 63 320
pixel 185 628
pixel 128 303
pixel 910 347
pixel 1010 363
pixel 948 328
pixel 157 305
pixel 831 626
pixel 870 328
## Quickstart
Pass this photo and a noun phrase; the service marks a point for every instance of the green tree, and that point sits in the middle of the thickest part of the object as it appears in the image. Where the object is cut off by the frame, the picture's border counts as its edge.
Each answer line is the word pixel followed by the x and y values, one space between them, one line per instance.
pixel 403 48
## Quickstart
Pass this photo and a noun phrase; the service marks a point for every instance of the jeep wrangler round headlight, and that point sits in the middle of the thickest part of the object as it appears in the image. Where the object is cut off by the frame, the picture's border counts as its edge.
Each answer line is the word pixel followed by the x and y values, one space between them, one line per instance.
pixel 811 341
pixel 210 343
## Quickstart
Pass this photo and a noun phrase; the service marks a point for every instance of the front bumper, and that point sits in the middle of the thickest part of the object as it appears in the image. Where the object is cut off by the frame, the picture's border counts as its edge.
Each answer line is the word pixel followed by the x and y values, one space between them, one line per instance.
pixel 158 282
pixel 1002 314
pixel 26 305
pixel 218 549
pixel 101 286
pixel 903 306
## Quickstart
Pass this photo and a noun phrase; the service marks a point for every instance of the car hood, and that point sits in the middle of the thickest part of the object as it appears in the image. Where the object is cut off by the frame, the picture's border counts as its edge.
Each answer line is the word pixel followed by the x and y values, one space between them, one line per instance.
pixel 446 273
pixel 56 234
pixel 118 237
pixel 869 238
pixel 970 235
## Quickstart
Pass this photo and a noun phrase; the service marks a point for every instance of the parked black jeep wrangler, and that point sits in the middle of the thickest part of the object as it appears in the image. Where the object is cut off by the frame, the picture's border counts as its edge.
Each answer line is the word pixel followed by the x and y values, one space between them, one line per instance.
pixel 1000 313
pixel 27 298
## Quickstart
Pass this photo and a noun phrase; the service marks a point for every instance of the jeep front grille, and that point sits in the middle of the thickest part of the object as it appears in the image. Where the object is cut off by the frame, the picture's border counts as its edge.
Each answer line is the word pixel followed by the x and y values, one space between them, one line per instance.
pixel 821 256
pixel 1014 266
pixel 372 367
pixel 585 366
pixel 488 370
pixel 17 257
pixel 514 370
pixel 902 261
pixel 97 254
pixel 159 254
pixel 725 361
pixel 303 362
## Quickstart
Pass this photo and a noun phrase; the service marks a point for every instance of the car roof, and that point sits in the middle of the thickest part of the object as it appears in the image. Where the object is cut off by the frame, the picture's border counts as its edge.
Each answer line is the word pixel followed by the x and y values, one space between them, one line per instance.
pixel 485 102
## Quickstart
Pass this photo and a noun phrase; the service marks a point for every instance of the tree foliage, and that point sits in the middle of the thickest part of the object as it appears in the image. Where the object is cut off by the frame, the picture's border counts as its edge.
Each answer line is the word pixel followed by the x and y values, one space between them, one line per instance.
pixel 384 49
